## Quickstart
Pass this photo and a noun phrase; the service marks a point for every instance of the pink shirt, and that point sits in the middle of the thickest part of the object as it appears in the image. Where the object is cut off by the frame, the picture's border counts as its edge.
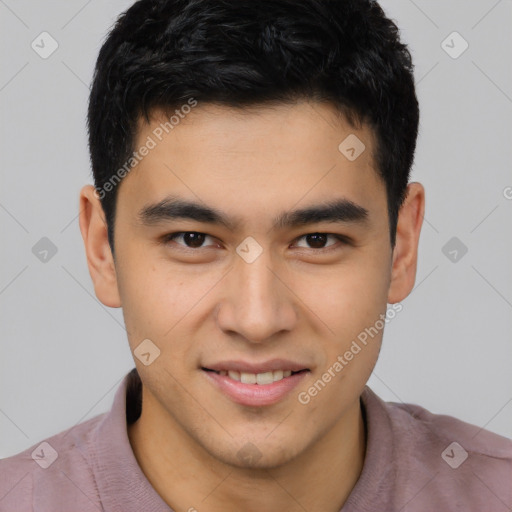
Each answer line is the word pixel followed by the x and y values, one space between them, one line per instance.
pixel 415 462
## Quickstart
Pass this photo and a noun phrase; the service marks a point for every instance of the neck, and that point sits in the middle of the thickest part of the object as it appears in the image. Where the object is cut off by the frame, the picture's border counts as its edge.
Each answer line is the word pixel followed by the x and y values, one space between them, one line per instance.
pixel 187 477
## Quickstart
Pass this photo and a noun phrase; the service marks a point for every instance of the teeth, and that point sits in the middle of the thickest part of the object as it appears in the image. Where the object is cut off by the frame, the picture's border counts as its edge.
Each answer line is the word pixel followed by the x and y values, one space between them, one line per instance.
pixel 248 378
pixel 278 375
pixel 265 378
pixel 257 378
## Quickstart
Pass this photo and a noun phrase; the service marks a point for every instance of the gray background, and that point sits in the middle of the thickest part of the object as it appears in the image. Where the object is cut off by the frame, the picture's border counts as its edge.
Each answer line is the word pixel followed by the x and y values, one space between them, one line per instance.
pixel 63 353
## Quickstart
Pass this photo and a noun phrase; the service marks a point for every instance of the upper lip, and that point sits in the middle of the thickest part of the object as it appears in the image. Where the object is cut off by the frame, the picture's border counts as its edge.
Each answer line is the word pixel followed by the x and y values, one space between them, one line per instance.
pixel 262 367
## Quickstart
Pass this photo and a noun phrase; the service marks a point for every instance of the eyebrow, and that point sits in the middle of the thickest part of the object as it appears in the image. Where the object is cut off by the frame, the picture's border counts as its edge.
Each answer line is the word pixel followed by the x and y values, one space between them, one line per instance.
pixel 173 208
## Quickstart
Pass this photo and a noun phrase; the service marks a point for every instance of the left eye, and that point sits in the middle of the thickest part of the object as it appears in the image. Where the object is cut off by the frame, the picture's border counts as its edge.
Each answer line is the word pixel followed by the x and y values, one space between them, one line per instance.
pixel 318 240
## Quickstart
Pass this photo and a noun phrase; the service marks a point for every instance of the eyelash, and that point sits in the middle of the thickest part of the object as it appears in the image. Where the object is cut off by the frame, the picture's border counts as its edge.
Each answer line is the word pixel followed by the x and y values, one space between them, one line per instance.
pixel 343 239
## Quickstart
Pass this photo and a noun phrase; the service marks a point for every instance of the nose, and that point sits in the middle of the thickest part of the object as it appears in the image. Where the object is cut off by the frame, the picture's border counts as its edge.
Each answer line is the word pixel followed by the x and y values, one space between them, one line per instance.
pixel 257 304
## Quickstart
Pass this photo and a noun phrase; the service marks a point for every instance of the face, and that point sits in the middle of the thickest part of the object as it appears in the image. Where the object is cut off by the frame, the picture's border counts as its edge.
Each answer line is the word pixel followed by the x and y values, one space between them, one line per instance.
pixel 237 286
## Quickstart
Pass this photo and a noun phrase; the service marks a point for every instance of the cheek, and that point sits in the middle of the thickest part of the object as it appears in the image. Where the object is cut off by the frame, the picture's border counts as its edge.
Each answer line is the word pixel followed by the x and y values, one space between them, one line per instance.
pixel 158 299
pixel 350 301
pixel 346 299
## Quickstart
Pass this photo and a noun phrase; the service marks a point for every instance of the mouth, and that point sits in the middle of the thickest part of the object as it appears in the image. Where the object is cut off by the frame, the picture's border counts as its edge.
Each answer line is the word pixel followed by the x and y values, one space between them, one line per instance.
pixel 261 379
pixel 255 388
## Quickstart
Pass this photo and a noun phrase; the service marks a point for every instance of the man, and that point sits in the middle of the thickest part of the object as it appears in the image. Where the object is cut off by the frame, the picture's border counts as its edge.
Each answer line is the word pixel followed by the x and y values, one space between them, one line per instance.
pixel 252 215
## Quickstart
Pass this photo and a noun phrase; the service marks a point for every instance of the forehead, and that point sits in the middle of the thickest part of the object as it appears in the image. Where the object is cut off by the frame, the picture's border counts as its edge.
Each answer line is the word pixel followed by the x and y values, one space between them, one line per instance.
pixel 254 160
pixel 260 130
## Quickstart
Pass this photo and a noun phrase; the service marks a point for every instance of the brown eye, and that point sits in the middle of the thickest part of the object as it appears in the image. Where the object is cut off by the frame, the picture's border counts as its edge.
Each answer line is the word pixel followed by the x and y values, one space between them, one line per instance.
pixel 318 240
pixel 193 239
pixel 189 239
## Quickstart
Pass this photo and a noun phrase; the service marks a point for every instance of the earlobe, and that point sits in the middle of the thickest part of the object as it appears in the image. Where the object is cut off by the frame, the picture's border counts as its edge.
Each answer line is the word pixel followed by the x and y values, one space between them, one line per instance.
pixel 405 253
pixel 100 261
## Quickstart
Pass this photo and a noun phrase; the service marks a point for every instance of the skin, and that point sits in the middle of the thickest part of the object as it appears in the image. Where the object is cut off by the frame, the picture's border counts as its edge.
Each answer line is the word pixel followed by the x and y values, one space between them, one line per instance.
pixel 297 300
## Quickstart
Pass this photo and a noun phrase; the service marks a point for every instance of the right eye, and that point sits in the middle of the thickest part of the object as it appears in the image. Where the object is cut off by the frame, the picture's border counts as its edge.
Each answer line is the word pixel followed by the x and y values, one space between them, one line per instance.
pixel 190 239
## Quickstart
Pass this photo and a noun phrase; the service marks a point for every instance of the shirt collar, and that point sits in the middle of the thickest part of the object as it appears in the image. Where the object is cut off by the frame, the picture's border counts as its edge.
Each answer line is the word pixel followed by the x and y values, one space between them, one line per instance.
pixel 122 485
pixel 374 488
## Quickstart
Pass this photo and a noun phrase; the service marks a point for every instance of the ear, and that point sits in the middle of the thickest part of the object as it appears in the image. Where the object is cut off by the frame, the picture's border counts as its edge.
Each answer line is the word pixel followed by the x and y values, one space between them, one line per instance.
pixel 405 253
pixel 100 260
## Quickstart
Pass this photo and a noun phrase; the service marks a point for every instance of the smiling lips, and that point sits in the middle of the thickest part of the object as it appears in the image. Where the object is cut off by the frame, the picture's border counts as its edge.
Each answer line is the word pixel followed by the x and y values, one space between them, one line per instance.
pixel 257 378
pixel 256 384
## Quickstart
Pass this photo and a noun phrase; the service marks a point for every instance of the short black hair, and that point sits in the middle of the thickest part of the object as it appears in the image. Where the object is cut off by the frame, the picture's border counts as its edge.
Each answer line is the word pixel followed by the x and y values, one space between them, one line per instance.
pixel 162 54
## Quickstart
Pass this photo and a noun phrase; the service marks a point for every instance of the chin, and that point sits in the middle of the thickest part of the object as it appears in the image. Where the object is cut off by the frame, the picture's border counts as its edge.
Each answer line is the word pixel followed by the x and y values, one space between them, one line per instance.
pixel 256 454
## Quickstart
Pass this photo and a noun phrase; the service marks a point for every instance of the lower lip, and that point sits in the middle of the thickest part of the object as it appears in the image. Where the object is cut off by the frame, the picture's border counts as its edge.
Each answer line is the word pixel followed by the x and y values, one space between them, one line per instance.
pixel 255 394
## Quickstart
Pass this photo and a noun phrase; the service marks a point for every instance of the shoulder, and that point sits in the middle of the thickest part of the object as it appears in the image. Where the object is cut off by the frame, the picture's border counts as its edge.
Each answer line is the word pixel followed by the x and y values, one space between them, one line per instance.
pixel 459 462
pixel 412 420
pixel 58 466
